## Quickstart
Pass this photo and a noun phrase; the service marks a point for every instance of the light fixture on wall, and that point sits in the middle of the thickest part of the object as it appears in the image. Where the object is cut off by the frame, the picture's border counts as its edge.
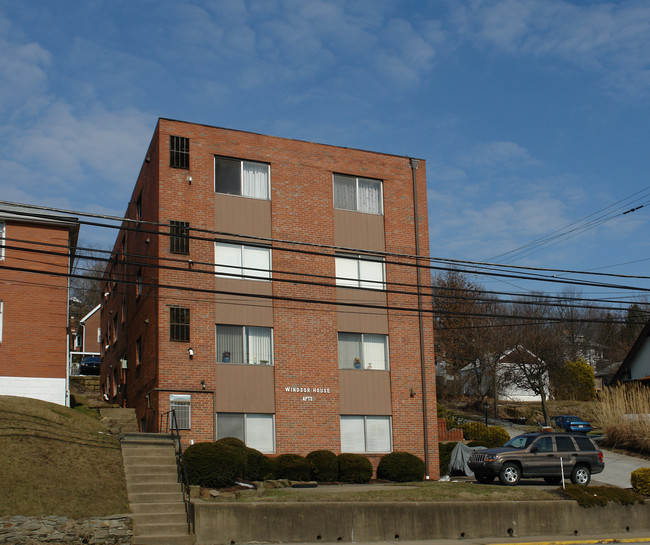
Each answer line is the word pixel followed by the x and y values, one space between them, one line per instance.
pixel 203 384
pixel 190 351
pixel 412 393
pixel 189 179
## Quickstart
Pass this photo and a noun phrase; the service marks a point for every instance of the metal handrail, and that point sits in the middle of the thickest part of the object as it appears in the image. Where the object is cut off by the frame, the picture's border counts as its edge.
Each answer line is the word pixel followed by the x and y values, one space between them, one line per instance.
pixel 171 424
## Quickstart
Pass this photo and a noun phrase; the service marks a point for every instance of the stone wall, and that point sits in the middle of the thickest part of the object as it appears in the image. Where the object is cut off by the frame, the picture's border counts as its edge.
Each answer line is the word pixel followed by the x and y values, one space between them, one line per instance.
pixel 19 530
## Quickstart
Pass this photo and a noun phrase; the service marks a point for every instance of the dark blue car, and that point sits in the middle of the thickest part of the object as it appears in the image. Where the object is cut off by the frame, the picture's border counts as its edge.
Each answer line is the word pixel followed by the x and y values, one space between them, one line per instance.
pixel 89 365
pixel 572 423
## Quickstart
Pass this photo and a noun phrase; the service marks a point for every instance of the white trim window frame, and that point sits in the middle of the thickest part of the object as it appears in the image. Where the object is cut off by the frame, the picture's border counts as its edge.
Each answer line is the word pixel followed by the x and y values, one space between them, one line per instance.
pixel 249 345
pixel 358 194
pixel 242 178
pixel 241 261
pixel 370 434
pixel 360 271
pixel 181 404
pixel 257 430
pixel 363 351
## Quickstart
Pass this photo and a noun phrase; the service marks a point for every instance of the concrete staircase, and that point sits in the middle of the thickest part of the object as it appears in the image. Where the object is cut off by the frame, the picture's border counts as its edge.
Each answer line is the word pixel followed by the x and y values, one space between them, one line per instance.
pixel 155 495
pixel 119 420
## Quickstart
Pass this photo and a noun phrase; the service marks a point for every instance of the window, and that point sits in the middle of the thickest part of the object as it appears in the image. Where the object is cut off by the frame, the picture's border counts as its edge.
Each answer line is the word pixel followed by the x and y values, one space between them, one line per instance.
pixel 366 434
pixel 545 444
pixel 115 328
pixel 564 444
pixel 360 272
pixel 181 404
pixel 138 351
pixel 238 261
pixel 2 240
pixel 179 237
pixel 138 208
pixel 179 324
pixel 256 430
pixel 363 351
pixel 245 178
pixel 245 344
pixel 138 282
pixel 179 152
pixel 358 194
pixel 584 443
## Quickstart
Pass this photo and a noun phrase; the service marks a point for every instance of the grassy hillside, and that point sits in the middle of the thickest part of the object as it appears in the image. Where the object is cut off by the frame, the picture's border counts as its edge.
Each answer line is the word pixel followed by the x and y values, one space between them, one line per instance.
pixel 57 461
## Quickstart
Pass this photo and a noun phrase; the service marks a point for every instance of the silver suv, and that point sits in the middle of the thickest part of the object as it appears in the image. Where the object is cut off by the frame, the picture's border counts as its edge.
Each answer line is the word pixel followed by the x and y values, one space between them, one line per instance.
pixel 539 455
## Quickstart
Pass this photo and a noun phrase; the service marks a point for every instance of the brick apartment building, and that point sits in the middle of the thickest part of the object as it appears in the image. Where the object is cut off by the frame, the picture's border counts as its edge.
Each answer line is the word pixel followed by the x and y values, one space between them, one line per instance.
pixel 265 288
pixel 36 255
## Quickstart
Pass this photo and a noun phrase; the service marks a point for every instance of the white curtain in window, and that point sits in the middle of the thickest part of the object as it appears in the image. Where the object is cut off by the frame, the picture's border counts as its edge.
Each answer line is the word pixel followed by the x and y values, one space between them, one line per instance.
pixel 255 180
pixel 378 434
pixel 369 196
pixel 230 344
pixel 371 274
pixel 347 271
pixel 227 259
pixel 352 434
pixel 345 192
pixel 374 351
pixel 259 432
pixel 349 348
pixel 256 262
pixel 259 345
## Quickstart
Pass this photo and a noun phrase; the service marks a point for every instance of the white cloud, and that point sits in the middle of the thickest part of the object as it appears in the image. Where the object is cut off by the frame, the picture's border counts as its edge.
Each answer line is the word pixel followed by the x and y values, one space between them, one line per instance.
pixel 500 154
pixel 611 40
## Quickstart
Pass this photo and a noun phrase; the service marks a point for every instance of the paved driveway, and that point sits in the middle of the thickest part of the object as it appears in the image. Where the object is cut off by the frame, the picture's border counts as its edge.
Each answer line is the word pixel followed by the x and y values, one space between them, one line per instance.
pixel 618 468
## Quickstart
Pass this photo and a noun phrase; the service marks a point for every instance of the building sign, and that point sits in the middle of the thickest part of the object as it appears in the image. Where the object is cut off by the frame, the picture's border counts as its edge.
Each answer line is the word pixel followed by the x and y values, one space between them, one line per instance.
pixel 306 391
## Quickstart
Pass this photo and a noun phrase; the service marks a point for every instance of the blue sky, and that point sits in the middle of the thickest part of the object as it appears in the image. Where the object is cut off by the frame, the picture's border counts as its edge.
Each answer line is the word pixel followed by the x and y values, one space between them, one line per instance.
pixel 531 114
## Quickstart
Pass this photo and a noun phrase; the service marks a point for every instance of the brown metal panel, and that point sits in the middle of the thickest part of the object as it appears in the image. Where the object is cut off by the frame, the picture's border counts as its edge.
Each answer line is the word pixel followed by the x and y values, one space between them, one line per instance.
pixel 244 389
pixel 358 230
pixel 360 319
pixel 364 392
pixel 242 215
pixel 243 310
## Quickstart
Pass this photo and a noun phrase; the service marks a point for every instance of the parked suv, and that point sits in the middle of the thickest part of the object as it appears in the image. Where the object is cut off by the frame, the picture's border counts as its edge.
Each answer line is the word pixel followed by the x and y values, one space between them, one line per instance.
pixel 539 455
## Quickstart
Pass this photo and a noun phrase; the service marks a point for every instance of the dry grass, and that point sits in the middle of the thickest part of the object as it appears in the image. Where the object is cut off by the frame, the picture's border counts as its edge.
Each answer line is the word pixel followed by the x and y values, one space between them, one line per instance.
pixel 624 416
pixel 57 461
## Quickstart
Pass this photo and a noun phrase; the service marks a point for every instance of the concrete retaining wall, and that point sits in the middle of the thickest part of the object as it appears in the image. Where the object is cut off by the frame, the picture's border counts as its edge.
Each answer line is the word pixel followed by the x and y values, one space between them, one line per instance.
pixel 225 523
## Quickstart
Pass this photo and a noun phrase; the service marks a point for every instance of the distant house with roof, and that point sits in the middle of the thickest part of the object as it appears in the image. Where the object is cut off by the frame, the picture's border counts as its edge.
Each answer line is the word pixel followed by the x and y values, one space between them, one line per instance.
pixel 636 365
pixel 37 251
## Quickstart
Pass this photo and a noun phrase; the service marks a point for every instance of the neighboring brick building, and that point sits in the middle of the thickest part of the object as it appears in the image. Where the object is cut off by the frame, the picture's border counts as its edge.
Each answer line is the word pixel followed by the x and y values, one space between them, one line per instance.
pixel 237 288
pixel 36 255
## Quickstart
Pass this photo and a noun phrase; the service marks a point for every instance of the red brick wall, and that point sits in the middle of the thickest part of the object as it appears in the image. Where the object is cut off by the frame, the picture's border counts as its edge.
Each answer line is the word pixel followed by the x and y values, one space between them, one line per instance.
pixel 305 334
pixel 34 338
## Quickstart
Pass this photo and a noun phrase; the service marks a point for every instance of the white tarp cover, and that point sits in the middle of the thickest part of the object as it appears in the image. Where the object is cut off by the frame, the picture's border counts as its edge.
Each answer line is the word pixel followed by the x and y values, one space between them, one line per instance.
pixel 459 457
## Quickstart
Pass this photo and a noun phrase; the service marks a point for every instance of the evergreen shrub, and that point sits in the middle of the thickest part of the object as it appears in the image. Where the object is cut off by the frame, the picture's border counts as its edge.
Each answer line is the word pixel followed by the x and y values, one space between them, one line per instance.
pixel 444 456
pixel 354 468
pixel 291 466
pixel 323 466
pixel 474 431
pixel 640 479
pixel 400 467
pixel 496 436
pixel 214 465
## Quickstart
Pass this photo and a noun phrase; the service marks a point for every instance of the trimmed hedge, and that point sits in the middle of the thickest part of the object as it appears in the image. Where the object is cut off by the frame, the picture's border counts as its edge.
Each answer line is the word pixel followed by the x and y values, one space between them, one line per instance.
pixel 474 431
pixel 354 468
pixel 291 466
pixel 497 436
pixel 323 466
pixel 640 480
pixel 400 467
pixel 444 454
pixel 214 465
pixel 257 466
